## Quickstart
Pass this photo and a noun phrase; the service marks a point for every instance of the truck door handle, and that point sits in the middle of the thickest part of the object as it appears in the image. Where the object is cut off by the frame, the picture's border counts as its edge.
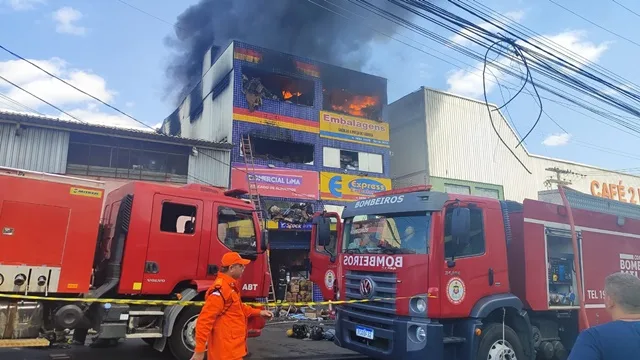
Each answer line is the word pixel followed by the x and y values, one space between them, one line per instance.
pixel 490 277
pixel 151 267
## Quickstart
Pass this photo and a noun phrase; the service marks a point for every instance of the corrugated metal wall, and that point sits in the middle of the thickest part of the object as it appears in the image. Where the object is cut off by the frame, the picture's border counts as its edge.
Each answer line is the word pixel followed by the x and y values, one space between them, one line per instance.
pixel 210 167
pixel 408 134
pixel 462 145
pixel 36 149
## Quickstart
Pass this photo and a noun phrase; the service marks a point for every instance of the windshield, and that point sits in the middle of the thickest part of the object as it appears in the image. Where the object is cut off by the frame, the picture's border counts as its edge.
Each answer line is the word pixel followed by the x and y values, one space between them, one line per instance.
pixel 406 233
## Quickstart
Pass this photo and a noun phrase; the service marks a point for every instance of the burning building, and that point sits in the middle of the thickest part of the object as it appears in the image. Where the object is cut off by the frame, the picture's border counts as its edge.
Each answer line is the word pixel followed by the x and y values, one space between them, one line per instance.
pixel 316 135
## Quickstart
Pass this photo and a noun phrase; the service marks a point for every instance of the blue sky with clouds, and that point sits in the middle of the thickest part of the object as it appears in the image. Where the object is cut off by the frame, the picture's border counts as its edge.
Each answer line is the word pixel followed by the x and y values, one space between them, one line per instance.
pixel 117 54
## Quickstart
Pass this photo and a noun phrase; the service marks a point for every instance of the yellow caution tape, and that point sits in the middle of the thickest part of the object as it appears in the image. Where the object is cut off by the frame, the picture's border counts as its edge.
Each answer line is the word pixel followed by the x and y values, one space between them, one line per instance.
pixel 192 303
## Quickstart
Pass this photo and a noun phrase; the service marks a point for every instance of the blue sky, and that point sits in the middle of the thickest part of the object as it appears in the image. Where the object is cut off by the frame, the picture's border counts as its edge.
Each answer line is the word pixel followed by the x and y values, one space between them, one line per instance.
pixel 118 54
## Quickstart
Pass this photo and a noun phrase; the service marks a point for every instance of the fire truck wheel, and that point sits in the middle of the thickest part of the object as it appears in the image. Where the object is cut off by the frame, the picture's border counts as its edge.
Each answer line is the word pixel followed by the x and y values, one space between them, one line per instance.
pixel 493 346
pixel 182 340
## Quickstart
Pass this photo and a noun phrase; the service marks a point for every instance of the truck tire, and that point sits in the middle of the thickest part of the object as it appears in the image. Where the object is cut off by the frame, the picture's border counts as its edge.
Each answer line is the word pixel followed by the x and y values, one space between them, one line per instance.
pixel 182 339
pixel 492 346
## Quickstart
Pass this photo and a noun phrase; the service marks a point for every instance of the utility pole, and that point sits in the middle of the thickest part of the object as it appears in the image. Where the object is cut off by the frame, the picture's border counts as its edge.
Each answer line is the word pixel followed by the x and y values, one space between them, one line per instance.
pixel 560 177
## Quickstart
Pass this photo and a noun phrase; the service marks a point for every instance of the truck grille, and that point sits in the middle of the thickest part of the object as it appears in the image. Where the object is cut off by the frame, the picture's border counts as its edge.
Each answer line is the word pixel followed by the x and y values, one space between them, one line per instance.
pixel 384 286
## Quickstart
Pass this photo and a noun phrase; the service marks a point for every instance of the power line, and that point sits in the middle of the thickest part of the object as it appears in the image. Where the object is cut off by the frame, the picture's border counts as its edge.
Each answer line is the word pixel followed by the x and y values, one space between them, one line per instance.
pixel 628 9
pixel 73 86
pixel 149 14
pixel 41 99
pixel 595 24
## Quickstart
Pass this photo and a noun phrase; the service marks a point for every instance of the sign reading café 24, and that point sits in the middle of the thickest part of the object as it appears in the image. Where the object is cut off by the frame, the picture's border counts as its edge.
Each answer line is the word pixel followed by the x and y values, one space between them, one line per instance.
pixel 615 191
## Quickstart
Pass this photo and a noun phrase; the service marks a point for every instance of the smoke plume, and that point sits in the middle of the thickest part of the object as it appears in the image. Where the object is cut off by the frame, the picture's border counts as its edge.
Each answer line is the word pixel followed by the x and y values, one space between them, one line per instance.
pixel 298 27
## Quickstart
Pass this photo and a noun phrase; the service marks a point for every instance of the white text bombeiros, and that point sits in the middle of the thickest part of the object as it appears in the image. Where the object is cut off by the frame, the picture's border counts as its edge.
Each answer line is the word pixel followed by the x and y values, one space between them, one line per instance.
pixel 380 261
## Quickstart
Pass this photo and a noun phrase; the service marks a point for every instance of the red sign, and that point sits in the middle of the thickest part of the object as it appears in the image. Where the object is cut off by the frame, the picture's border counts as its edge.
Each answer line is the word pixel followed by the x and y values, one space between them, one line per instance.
pixel 278 182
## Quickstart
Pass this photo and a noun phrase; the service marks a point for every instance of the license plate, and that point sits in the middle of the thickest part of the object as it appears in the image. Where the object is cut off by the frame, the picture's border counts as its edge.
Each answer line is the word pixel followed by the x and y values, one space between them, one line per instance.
pixel 364 332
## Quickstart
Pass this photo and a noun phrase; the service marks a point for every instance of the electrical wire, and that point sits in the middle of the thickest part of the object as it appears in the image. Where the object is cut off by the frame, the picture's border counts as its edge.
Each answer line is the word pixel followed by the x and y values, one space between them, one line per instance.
pixel 626 8
pixel 41 99
pixel 486 100
pixel 595 24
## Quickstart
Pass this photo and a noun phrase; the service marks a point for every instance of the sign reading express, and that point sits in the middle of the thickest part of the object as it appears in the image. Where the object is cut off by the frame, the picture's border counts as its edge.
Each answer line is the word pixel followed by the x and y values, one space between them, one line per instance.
pixel 353 129
pixel 344 187
pixel 615 191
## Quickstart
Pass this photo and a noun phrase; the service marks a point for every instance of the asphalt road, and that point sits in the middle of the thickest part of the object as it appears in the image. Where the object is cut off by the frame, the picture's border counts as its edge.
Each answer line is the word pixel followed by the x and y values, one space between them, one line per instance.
pixel 273 344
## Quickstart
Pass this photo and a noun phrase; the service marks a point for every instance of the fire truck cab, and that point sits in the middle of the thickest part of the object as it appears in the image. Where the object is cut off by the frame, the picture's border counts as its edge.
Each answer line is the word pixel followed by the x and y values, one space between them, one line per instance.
pixel 430 275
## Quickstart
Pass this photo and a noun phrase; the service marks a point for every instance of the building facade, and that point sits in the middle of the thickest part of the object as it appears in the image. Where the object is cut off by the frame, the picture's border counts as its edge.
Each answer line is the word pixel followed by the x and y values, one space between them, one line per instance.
pixel 318 139
pixel 114 156
pixel 448 141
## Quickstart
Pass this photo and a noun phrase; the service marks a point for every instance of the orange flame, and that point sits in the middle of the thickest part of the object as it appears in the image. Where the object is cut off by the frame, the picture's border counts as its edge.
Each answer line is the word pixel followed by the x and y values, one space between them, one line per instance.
pixel 356 105
pixel 288 94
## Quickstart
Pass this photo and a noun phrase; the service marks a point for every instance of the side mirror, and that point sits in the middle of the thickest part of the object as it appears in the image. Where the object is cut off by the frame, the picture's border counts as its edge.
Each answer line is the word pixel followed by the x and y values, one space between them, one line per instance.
pixel 323 230
pixel 461 226
pixel 264 244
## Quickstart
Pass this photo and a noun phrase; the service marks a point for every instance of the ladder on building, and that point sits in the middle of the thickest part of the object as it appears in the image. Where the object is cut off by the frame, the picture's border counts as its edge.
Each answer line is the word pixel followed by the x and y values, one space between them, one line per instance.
pixel 254 196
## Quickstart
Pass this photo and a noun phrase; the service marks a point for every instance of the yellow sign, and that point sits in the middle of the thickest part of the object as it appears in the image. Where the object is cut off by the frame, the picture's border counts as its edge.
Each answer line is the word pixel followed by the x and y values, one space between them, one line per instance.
pixel 344 187
pixel 86 192
pixel 615 191
pixel 353 129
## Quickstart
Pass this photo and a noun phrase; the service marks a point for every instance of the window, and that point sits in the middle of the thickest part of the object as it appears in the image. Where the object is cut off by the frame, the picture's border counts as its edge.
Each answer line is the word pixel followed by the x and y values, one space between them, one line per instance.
pixel 403 233
pixel 283 151
pixel 490 193
pixel 97 155
pixel 258 84
pixel 476 244
pixel 351 93
pixel 178 218
pixel 457 189
pixel 352 160
pixel 236 229
pixel 333 241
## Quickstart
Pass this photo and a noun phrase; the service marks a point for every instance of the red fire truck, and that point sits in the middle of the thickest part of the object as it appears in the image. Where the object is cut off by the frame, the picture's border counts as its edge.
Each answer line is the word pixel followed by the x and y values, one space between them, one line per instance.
pixel 155 242
pixel 459 277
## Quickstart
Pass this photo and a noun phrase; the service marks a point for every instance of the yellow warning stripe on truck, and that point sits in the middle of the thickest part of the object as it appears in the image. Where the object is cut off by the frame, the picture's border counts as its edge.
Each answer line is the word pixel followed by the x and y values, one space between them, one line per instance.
pixel 190 303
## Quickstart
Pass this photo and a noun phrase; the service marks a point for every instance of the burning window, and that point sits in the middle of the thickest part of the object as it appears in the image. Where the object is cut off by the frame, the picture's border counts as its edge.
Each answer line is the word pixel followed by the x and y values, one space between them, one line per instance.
pixel 284 151
pixel 258 85
pixel 345 102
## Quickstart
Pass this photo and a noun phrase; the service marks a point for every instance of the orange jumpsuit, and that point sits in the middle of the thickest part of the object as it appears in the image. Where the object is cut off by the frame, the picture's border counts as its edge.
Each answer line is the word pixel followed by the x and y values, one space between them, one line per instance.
pixel 222 323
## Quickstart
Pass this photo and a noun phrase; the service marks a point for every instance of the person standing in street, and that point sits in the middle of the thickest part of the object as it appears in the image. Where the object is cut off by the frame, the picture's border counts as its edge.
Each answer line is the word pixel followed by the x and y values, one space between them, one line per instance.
pixel 619 339
pixel 222 324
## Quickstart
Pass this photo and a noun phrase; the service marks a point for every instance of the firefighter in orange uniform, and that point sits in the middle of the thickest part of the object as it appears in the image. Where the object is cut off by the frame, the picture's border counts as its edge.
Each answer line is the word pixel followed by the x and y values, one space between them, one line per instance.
pixel 222 323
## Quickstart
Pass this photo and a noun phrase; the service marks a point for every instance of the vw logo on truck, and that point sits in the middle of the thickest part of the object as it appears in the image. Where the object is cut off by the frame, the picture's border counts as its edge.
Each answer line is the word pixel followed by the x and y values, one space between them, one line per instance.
pixel 366 288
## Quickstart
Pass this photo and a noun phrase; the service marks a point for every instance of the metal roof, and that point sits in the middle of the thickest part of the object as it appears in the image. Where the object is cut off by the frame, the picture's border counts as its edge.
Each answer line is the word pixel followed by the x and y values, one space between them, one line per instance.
pixel 60 124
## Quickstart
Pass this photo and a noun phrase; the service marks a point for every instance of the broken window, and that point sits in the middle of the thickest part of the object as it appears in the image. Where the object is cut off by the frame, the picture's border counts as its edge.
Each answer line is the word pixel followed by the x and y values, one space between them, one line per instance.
pixel 178 218
pixel 352 160
pixel 259 84
pixel 353 93
pixel 345 102
pixel 281 150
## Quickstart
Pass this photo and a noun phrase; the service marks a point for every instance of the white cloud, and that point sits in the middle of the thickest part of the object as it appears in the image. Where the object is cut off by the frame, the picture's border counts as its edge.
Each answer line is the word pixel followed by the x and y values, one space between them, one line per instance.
pixel 22 5
pixel 66 19
pixel 557 139
pixel 462 38
pixel 56 92
pixel 469 82
pixel 571 43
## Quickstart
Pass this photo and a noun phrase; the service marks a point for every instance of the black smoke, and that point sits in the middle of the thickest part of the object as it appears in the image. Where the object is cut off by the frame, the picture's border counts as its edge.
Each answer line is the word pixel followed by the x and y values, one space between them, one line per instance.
pixel 298 27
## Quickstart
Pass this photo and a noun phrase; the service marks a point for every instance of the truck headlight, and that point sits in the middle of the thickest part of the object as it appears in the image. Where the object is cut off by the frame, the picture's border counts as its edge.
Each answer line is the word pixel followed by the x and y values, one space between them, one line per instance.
pixel 421 305
pixel 421 334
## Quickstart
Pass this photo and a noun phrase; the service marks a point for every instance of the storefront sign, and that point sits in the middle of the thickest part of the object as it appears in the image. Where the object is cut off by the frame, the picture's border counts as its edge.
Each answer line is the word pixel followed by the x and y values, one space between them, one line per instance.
pixel 344 187
pixel 283 225
pixel 287 183
pixel 615 191
pixel 353 129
